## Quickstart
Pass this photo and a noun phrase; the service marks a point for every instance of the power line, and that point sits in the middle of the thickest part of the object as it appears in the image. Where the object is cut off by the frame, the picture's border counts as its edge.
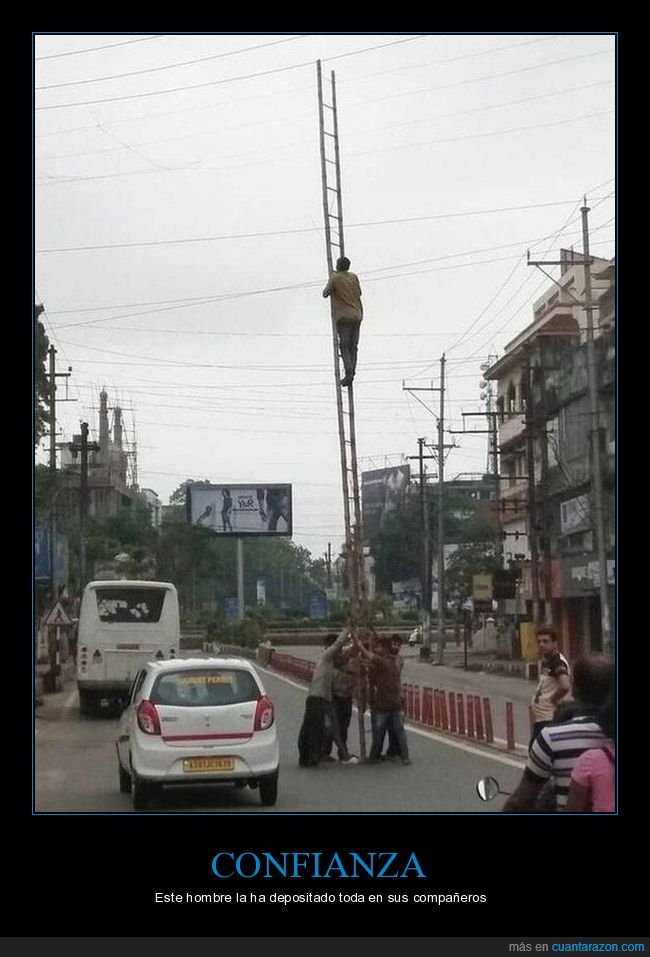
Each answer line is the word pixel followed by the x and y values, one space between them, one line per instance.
pixel 107 46
pixel 197 86
pixel 472 136
pixel 171 66
pixel 311 229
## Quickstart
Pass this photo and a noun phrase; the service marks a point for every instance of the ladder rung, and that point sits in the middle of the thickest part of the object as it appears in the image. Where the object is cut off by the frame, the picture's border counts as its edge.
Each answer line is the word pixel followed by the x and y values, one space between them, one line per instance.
pixel 331 135
pixel 332 189
pixel 331 162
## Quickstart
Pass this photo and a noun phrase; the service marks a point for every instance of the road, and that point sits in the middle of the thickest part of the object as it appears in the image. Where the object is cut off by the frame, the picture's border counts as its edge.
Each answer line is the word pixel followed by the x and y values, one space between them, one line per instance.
pixel 76 769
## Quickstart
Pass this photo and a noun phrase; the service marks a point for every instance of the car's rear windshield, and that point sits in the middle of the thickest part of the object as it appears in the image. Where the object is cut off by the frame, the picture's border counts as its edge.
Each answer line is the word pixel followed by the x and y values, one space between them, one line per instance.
pixel 117 604
pixel 203 687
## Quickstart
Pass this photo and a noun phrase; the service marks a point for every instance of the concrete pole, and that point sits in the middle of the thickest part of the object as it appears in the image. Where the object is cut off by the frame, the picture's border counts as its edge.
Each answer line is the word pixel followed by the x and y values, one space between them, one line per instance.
pixel 596 476
pixel 425 651
pixel 441 517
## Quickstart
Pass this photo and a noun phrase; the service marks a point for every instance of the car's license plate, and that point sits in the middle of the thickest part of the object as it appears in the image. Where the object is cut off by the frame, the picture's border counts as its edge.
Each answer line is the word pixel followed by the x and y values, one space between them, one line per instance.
pixel 208 764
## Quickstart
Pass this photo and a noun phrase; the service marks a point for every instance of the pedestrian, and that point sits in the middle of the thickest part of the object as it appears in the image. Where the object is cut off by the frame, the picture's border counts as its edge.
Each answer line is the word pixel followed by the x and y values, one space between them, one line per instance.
pixel 555 750
pixel 593 779
pixel 554 685
pixel 318 707
pixel 343 683
pixel 347 310
pixel 386 699
pixel 393 746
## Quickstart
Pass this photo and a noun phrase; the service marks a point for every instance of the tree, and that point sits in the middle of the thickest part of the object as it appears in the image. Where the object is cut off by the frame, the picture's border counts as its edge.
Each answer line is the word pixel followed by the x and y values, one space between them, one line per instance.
pixel 41 381
pixel 471 558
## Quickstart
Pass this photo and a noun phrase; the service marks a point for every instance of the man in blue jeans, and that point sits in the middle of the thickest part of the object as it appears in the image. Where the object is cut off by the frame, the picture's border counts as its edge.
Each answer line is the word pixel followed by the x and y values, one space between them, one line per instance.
pixel 386 696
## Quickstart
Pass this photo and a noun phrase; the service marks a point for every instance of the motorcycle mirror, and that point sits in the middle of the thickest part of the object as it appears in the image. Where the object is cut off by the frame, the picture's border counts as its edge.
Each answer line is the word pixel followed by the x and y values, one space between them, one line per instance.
pixel 488 788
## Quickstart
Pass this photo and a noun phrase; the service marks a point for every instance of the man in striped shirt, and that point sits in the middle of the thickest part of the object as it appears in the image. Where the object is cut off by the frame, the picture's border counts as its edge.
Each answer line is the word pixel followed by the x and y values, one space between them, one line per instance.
pixel 558 746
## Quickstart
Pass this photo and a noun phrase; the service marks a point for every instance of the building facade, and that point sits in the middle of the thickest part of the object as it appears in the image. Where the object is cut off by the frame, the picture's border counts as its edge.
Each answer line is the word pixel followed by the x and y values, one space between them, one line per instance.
pixel 546 499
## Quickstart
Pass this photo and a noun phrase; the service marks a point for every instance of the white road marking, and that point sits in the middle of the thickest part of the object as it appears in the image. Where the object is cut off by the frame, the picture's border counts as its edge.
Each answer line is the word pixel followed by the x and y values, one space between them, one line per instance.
pixel 450 742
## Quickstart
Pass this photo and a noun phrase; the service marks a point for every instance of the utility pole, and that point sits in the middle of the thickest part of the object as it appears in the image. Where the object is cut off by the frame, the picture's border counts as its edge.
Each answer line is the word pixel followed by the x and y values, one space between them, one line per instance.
pixel 532 498
pixel 328 563
pixel 83 447
pixel 425 573
pixel 425 651
pixel 596 478
pixel 53 375
pixel 596 474
pixel 441 516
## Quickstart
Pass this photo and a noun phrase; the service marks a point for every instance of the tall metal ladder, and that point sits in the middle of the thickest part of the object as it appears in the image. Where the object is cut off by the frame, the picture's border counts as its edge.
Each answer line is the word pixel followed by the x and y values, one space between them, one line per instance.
pixel 335 247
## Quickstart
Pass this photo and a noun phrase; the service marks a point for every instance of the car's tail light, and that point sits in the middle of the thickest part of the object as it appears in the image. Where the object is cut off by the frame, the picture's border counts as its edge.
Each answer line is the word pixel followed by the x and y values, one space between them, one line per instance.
pixel 263 714
pixel 148 720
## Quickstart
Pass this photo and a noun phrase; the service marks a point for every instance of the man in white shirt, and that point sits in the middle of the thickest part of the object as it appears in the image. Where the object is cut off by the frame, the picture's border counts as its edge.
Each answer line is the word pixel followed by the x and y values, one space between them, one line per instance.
pixel 554 685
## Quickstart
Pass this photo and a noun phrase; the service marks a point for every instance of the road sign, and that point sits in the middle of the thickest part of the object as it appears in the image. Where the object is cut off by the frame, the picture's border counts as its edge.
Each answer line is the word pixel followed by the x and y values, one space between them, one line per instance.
pixel 482 587
pixel 57 616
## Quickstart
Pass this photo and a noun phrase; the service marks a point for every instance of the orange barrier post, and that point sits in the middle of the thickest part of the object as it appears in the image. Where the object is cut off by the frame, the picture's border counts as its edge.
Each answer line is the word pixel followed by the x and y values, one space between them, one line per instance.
pixel 510 727
pixel 443 711
pixel 427 706
pixel 409 701
pixel 470 716
pixel 436 708
pixel 487 713
pixel 416 703
pixel 461 714
pixel 453 725
pixel 478 718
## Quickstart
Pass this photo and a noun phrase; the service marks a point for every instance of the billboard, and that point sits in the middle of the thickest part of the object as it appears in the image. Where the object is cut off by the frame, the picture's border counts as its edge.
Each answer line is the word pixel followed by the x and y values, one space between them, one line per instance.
pixel 240 509
pixel 382 491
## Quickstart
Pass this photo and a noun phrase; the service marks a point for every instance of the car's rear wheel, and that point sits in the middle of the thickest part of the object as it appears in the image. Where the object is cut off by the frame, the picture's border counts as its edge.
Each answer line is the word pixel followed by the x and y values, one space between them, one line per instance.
pixel 125 779
pixel 143 793
pixel 269 789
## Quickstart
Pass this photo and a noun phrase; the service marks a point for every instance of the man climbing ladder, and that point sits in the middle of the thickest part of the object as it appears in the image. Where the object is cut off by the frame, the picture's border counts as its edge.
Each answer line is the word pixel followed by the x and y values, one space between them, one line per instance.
pixel 347 310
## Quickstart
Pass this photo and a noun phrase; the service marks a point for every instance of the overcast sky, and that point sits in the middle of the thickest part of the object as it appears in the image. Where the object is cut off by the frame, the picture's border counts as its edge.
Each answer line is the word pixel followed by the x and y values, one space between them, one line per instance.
pixel 180 248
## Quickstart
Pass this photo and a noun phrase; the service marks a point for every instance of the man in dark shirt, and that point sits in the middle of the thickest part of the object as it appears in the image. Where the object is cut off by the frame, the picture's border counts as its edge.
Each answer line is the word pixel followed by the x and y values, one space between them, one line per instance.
pixel 386 709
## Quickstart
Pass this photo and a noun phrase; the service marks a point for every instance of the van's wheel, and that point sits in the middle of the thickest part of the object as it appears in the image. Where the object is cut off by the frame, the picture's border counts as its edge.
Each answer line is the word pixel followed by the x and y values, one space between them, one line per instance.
pixel 269 789
pixel 143 793
pixel 125 779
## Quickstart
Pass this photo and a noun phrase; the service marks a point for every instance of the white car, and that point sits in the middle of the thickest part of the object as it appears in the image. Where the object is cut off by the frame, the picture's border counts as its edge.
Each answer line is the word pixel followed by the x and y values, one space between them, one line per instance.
pixel 197 721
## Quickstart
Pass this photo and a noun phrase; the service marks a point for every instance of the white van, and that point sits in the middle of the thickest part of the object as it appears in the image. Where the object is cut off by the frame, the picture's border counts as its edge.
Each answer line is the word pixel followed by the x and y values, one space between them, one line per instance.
pixel 122 625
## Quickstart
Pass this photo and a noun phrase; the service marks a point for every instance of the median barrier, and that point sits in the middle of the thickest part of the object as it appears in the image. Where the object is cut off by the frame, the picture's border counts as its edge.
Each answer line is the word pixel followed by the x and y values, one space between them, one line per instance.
pixel 433 707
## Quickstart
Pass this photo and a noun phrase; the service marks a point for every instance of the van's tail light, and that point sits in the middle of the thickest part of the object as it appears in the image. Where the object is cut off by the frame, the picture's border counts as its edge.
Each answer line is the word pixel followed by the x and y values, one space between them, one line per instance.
pixel 263 714
pixel 148 720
